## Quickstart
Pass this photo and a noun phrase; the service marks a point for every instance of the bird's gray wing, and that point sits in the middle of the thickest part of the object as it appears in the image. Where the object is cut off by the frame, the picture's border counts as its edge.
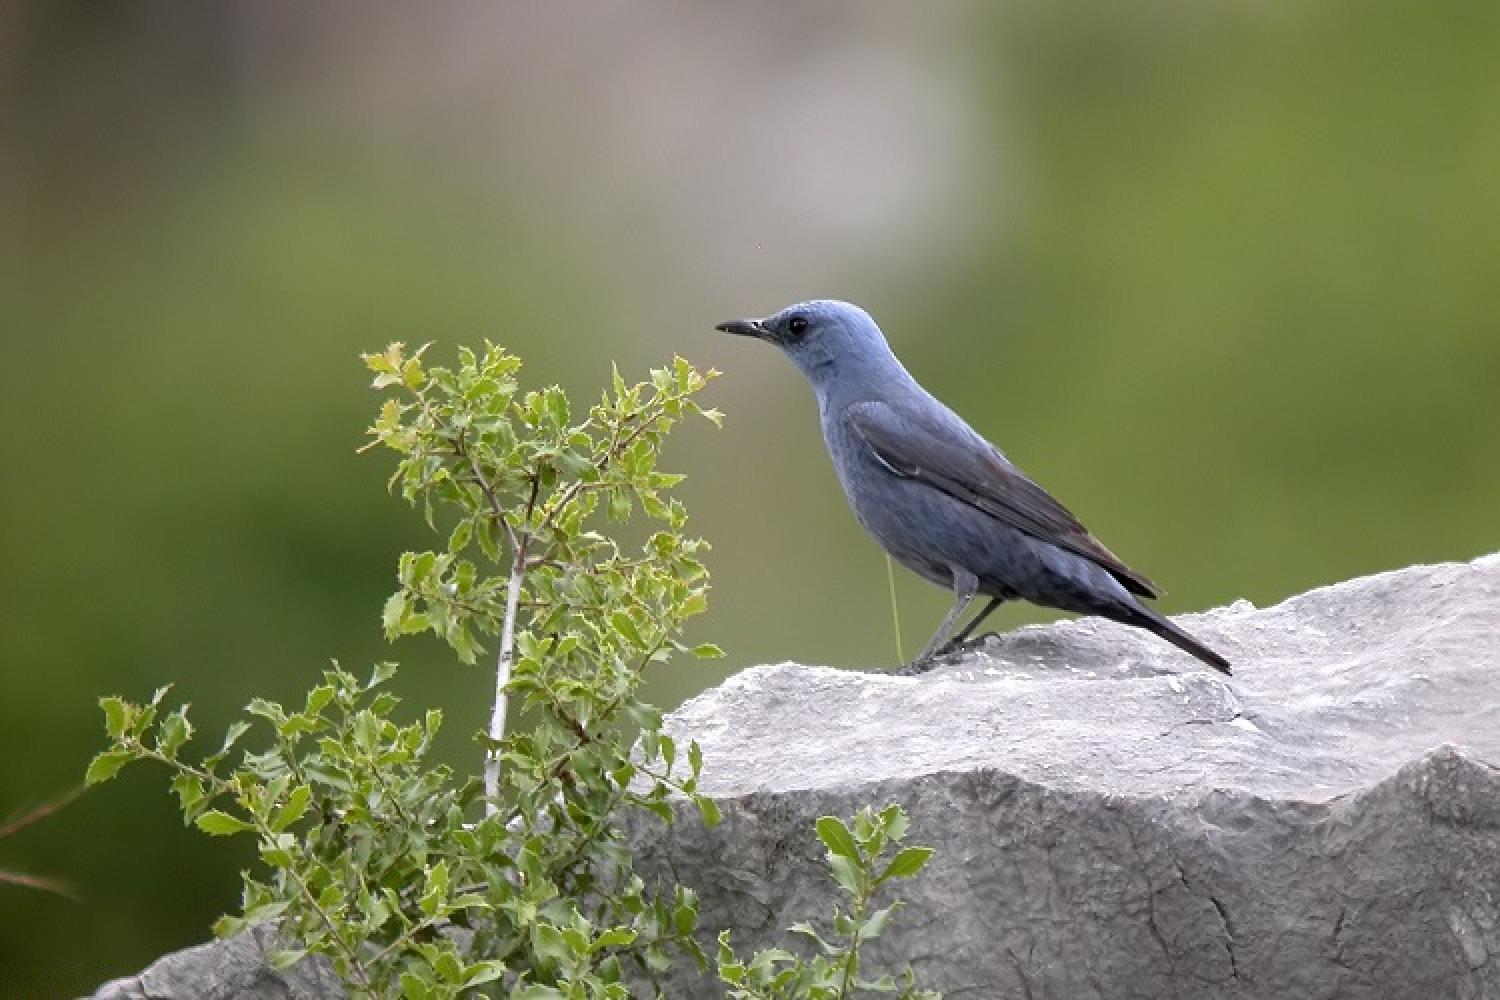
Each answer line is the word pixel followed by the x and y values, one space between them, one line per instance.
pixel 973 472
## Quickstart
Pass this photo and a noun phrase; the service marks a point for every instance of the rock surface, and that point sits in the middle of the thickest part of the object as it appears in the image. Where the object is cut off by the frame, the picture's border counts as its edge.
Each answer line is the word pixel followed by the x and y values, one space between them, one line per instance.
pixel 1112 820
pixel 237 969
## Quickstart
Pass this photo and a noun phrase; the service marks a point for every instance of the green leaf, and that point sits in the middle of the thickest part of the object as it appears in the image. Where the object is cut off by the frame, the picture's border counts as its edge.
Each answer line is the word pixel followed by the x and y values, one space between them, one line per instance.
pixel 807 930
pixel 469 901
pixel 685 918
pixel 218 823
pixel 906 863
pixel 893 821
pixel 381 363
pixel 278 851
pixel 190 793
pixel 293 809
pixel 619 505
pixel 412 375
pixel 268 710
pixel 837 838
pixel 548 943
pixel 318 699
pixel 422 566
pixel 874 924
pixel 232 736
pixel 708 809
pixel 557 406
pixel 462 641
pixel 397 606
pixel 462 532
pixel 668 748
pixel 773 956
pixel 226 927
pixel 448 967
pixel 657 960
pixel 414 988
pixel 708 651
pixel 615 937
pixel 538 992
pixel 480 973
pixel 173 733
pixel 106 765
pixel 845 872
pixel 645 717
pixel 625 625
pixel 382 673
pixel 436 892
pixel 489 542
pixel 261 910
pixel 116 716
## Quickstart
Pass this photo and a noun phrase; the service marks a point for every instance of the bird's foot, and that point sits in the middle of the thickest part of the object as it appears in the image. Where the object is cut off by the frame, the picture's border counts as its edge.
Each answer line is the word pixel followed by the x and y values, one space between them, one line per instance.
pixel 918 666
pixel 961 647
pixel 949 648
pixel 948 652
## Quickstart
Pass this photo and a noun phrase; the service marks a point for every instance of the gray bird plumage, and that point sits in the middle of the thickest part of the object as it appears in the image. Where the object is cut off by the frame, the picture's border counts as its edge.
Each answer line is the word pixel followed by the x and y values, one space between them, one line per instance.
pixel 943 501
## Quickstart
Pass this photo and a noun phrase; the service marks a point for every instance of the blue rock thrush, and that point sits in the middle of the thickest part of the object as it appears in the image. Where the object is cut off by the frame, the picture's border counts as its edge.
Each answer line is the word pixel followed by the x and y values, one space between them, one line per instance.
pixel 943 501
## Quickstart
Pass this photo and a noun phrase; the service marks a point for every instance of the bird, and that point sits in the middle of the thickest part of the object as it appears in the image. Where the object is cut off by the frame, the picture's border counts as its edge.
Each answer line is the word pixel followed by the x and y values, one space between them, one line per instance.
pixel 941 499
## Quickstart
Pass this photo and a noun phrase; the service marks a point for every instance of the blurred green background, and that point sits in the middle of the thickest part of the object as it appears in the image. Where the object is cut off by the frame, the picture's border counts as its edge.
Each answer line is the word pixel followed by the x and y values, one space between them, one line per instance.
pixel 1226 278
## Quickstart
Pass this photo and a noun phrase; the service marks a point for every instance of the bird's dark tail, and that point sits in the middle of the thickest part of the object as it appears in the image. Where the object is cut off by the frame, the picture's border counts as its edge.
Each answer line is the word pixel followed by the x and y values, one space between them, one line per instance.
pixel 1153 622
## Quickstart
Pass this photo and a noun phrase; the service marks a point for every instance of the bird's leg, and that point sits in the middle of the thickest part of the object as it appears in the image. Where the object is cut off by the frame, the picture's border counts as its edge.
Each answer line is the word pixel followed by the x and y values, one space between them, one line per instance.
pixel 968 629
pixel 965 585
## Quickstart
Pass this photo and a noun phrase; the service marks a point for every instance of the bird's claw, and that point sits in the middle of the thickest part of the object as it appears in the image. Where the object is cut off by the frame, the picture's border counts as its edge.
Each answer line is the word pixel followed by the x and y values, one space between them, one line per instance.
pixel 917 667
pixel 948 651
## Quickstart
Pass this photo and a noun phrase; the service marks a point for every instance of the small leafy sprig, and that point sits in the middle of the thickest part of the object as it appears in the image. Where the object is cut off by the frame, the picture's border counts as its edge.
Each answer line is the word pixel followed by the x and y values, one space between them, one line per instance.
pixel 856 859
pixel 577 617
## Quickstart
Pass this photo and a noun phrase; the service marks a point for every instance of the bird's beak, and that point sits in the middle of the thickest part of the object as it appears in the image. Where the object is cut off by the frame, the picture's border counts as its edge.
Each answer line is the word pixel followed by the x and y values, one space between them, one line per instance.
pixel 745 328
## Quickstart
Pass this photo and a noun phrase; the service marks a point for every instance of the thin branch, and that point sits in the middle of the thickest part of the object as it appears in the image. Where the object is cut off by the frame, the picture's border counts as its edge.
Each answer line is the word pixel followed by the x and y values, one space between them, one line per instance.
pixel 426 923
pixel 38 882
pixel 40 812
pixel 461 450
pixel 505 659
pixel 502 678
pixel 850 974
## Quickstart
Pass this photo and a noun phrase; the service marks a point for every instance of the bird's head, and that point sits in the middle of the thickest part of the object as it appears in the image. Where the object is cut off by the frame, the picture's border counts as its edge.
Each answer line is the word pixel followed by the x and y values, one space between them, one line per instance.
pixel 825 338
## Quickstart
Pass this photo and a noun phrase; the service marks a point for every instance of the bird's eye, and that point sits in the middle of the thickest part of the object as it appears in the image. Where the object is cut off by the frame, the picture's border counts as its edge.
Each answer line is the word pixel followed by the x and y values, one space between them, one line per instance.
pixel 797 325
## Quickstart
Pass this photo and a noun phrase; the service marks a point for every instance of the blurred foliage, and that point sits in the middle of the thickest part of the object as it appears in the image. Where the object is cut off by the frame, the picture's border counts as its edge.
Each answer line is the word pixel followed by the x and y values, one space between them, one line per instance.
pixel 1228 288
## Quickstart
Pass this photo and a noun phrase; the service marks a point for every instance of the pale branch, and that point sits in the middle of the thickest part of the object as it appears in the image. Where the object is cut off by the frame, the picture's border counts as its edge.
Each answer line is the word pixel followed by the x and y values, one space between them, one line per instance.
pixel 505 658
pixel 502 678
